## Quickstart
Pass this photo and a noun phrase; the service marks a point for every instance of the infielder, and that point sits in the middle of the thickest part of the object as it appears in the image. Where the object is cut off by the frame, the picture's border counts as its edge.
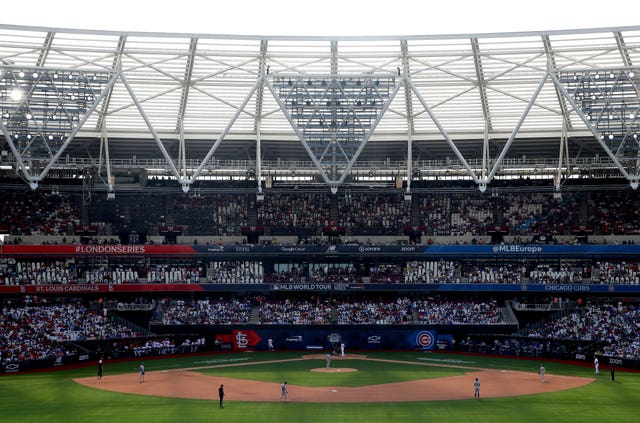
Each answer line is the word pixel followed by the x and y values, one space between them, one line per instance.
pixel 541 372
pixel 476 388
pixel 141 371
pixel 596 365
pixel 328 360
pixel 283 396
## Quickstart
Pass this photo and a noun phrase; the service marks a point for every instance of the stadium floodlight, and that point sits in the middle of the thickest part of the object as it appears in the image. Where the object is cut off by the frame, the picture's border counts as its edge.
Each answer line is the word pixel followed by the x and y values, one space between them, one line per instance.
pixel 16 94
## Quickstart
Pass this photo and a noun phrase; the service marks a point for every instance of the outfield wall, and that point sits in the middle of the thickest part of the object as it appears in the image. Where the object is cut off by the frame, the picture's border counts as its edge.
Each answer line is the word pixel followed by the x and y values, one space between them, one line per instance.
pixel 320 337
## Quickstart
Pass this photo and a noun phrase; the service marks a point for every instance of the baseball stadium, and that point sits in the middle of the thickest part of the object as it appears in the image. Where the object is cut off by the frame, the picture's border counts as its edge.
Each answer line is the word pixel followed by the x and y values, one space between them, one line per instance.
pixel 200 227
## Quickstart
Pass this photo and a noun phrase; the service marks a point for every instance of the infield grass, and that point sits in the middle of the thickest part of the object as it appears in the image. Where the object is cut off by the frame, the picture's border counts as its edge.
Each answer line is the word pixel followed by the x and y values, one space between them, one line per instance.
pixel 54 397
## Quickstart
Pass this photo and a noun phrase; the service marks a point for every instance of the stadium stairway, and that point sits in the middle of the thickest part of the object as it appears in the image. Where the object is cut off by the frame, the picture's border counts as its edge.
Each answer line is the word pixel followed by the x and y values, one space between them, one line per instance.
pixel 508 314
pixel 252 212
pixel 254 316
pixel 126 323
pixel 414 218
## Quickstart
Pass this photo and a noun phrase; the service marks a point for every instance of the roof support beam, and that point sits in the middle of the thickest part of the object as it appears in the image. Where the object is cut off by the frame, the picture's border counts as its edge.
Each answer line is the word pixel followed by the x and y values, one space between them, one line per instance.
pixel 482 84
pixel 551 60
pixel 186 85
pixel 408 103
pixel 444 133
pixel 624 52
pixel 264 70
pixel 633 179
pixel 46 48
pixel 515 131
pixel 117 60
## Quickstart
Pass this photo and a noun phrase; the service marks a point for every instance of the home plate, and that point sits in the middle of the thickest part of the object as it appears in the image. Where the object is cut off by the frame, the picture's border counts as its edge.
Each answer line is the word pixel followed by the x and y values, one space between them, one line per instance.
pixel 334 390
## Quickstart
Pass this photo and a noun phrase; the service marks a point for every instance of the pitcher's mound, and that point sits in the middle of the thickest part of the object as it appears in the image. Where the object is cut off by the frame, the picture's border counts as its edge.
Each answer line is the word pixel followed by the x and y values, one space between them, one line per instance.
pixel 334 370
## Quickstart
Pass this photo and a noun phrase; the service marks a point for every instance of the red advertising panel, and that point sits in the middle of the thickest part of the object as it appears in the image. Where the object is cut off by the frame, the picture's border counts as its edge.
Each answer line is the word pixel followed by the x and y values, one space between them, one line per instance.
pixel 88 288
pixel 91 249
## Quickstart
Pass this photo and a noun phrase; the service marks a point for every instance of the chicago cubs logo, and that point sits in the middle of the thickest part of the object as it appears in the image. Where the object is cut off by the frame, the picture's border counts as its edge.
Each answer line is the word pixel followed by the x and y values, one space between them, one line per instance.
pixel 425 339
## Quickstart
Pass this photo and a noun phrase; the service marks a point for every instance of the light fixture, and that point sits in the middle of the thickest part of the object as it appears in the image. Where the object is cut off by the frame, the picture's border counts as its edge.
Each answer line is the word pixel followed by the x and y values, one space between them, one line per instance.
pixel 16 94
pixel 610 136
pixel 21 74
pixel 50 137
pixel 35 74
pixel 631 74
pixel 28 116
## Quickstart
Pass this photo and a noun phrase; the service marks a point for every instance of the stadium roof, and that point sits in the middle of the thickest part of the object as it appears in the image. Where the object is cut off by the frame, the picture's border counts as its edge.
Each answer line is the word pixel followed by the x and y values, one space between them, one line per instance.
pixel 458 100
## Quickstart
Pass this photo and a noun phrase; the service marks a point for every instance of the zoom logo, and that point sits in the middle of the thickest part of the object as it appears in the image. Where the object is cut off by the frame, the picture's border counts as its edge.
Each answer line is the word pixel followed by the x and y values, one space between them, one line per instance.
pixel 374 339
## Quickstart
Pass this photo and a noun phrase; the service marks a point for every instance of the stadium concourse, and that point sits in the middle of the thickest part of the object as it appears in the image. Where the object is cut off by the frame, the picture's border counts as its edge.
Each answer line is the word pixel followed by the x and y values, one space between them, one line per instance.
pixel 473 193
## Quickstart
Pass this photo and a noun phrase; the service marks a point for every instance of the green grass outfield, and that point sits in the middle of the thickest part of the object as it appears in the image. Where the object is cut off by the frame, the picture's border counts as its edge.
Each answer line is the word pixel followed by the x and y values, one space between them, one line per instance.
pixel 54 397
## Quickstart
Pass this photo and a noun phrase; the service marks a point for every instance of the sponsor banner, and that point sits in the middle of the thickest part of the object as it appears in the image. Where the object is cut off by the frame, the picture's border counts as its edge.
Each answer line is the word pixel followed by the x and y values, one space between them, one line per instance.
pixel 375 287
pixel 11 367
pixel 305 249
pixel 425 339
pixel 243 339
pixel 374 340
pixel 532 250
pixel 427 252
pixel 303 287
pixel 90 249
pixel 88 288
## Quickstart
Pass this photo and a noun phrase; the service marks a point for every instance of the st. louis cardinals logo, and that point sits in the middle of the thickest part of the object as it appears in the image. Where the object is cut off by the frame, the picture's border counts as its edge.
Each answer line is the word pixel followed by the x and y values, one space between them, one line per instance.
pixel 243 339
pixel 425 339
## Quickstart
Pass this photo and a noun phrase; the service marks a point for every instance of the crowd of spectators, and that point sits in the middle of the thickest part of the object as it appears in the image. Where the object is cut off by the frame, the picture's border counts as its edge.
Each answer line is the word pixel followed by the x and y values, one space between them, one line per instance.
pixel 235 272
pixel 436 311
pixel 380 312
pixel 224 214
pixel 38 213
pixel 210 214
pixel 118 275
pixel 615 212
pixel 174 274
pixel 441 271
pixel 203 312
pixel 625 272
pixel 289 212
pixel 294 312
pixel 559 274
pixel 38 273
pixel 373 214
pixel 35 331
pixel 616 324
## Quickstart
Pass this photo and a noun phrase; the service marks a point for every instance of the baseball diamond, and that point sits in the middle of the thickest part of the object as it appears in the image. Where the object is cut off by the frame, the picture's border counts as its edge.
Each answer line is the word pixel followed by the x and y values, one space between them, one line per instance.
pixel 185 383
